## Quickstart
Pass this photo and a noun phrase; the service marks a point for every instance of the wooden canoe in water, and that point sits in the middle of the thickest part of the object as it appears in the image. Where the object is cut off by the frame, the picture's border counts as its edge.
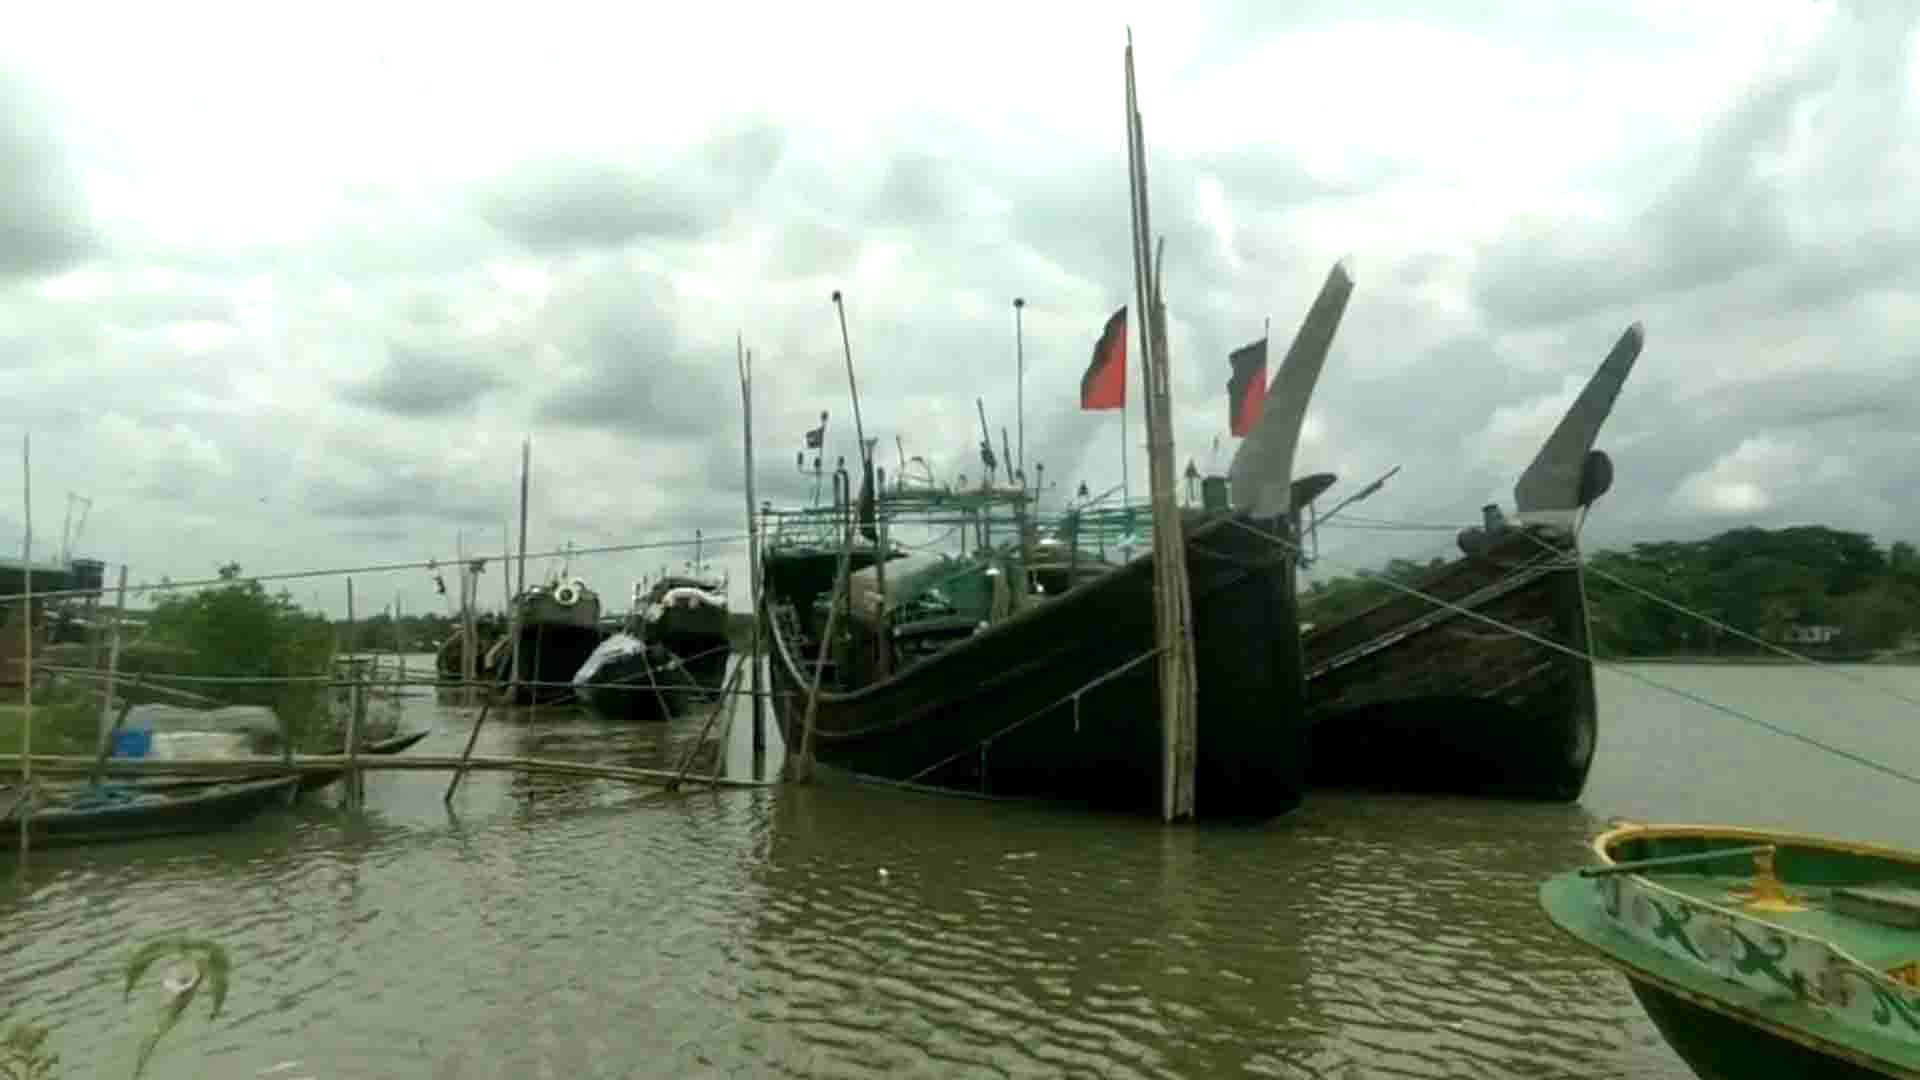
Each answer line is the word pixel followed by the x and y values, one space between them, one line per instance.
pixel 114 812
pixel 1758 954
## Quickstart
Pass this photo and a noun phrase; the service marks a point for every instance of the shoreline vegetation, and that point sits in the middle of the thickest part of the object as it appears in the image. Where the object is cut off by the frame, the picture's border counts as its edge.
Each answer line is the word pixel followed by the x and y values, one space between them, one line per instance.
pixel 1824 594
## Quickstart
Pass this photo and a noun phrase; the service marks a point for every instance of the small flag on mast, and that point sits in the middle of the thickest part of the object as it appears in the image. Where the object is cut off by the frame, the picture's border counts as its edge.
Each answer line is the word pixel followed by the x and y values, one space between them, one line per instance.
pixel 1104 386
pixel 1247 387
pixel 816 435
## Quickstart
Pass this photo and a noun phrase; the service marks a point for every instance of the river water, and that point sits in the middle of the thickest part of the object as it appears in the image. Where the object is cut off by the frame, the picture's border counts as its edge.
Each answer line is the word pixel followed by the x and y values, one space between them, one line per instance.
pixel 567 928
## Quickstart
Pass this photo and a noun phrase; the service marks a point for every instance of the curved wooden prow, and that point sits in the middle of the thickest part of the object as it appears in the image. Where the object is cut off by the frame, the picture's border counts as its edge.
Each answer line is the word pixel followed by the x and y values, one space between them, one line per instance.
pixel 1569 473
pixel 1261 474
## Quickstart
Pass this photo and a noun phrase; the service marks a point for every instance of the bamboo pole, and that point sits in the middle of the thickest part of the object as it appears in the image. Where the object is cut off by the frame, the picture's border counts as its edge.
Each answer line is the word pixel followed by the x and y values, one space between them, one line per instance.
pixel 1172 603
pixel 26 640
pixel 399 650
pixel 520 587
pixel 466 755
pixel 720 703
pixel 745 358
pixel 353 705
pixel 307 765
pixel 113 652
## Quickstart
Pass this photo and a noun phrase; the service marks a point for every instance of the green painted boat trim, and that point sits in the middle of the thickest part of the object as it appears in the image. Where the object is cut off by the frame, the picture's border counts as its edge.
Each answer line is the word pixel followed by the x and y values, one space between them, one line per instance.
pixel 1808 976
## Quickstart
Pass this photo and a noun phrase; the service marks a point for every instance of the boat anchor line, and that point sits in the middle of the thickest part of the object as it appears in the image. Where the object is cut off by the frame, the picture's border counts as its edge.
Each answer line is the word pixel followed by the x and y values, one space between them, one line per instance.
pixel 1586 567
pixel 1621 669
pixel 1516 580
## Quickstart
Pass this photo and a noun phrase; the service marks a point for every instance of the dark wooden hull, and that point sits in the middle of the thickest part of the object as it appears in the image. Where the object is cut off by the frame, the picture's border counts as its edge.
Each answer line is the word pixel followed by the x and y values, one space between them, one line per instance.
pixel 1414 696
pixel 150 813
pixel 1061 700
pixel 1718 1047
pixel 550 654
pixel 640 689
pixel 699 641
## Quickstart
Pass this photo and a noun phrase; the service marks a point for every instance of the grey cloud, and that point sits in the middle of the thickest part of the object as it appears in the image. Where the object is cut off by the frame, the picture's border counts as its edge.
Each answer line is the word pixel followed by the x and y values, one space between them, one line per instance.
pixel 573 201
pixel 45 224
pixel 1725 214
pixel 423 382
pixel 637 379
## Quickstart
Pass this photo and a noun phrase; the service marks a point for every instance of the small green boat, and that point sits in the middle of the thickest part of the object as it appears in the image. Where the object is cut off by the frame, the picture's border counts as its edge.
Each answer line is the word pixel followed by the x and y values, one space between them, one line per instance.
pixel 1758 954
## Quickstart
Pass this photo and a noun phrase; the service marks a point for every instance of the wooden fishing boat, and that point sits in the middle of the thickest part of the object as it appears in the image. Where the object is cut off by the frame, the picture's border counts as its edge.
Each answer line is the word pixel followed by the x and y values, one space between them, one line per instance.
pixel 628 678
pixel 987 686
pixel 1758 954
pixel 114 812
pixel 309 781
pixel 1473 678
pixel 687 615
pixel 555 628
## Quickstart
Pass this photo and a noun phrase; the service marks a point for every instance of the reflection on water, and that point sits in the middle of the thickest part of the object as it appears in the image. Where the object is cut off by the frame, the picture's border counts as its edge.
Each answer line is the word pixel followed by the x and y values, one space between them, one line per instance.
pixel 558 927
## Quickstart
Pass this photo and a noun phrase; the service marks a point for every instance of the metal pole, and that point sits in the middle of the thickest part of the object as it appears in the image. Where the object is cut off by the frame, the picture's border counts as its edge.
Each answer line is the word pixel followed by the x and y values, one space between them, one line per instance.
pixel 1020 381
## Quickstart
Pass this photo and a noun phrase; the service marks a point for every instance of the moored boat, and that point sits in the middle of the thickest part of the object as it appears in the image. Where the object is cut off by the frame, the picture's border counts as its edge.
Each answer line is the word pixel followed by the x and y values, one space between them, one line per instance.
pixel 114 812
pixel 627 678
pixel 686 614
pixel 1474 677
pixel 555 628
pixel 958 675
pixel 1758 954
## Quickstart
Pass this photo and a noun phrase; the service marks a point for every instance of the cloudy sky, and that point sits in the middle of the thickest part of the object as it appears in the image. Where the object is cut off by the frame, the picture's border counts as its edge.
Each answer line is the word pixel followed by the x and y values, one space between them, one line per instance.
pixel 290 292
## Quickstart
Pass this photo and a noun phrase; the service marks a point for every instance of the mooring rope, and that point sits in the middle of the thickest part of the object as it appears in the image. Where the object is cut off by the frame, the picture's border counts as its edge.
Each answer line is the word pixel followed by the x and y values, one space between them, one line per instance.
pixel 1781 650
pixel 1073 696
pixel 1618 669
pixel 383 568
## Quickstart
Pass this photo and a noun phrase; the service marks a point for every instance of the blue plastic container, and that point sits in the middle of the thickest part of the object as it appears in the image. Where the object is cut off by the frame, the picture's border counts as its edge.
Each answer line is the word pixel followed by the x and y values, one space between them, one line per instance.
pixel 132 742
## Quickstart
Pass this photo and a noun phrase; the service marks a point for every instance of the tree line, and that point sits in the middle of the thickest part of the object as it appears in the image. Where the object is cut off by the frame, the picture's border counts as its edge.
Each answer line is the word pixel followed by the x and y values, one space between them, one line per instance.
pixel 1809 588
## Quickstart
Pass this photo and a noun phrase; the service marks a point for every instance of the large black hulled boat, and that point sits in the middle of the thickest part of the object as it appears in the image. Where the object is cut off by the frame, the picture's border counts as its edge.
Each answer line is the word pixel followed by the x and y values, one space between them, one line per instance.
pixel 961 675
pixel 555 628
pixel 1474 678
pixel 686 613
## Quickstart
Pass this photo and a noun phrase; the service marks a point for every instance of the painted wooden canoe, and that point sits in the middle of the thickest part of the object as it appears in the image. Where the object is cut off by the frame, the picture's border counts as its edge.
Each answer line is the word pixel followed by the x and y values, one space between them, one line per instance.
pixel 1758 954
pixel 118 812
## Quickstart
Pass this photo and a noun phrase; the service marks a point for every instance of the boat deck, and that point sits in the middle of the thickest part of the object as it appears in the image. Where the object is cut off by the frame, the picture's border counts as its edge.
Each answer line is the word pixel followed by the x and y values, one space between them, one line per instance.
pixel 1879 946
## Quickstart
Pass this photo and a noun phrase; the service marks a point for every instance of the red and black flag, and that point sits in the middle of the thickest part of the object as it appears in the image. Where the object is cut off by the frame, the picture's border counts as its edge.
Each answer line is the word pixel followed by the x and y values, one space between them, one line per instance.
pixel 1247 387
pixel 1104 386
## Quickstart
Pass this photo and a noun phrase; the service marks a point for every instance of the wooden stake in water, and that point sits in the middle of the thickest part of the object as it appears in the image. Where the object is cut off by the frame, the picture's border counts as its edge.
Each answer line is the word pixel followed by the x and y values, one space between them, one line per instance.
pixel 25 804
pixel 353 706
pixel 1172 604
pixel 113 652
pixel 745 359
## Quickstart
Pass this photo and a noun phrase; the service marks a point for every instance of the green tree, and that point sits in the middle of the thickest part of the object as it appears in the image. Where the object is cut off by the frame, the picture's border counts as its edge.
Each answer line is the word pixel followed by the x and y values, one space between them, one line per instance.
pixel 237 629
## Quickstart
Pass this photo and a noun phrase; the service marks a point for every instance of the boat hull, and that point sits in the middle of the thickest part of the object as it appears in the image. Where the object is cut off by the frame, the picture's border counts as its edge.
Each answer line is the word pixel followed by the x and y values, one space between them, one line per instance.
pixel 1757 953
pixel 550 653
pixel 213 807
pixel 1415 696
pixel 1717 1047
pixel 628 679
pixel 1061 700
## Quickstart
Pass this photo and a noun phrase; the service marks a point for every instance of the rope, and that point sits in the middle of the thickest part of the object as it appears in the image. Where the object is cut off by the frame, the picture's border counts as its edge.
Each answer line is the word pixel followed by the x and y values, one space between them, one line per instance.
pixel 1073 696
pixel 1618 669
pixel 1673 605
pixel 380 568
